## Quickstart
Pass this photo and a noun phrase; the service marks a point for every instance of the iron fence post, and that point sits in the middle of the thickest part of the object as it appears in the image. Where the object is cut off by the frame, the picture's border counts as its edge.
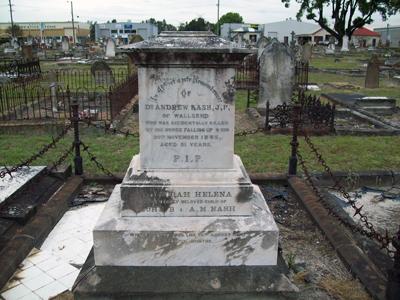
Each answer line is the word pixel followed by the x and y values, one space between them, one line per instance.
pixel 393 283
pixel 248 98
pixel 294 143
pixel 267 116
pixel 77 143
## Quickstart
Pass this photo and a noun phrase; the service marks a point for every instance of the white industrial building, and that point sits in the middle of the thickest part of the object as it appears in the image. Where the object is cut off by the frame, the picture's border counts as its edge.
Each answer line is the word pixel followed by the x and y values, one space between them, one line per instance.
pixel 390 35
pixel 282 30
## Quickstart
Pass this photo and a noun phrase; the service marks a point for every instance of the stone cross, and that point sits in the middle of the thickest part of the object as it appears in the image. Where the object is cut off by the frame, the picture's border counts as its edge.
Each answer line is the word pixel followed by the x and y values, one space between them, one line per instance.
pixel 372 75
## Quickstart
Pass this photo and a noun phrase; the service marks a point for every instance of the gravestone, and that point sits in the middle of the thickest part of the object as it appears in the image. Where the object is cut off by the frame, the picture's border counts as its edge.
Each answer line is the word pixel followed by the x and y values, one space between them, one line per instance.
pixel 110 48
pixel 10 185
pixel 331 47
pixel 372 75
pixel 102 73
pixel 276 75
pixel 27 52
pixel 306 53
pixel 186 220
pixel 65 44
pixel 261 44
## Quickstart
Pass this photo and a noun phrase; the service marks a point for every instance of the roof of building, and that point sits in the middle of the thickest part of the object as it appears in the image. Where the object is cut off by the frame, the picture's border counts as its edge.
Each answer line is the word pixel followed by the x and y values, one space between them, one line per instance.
pixel 365 32
pixel 390 28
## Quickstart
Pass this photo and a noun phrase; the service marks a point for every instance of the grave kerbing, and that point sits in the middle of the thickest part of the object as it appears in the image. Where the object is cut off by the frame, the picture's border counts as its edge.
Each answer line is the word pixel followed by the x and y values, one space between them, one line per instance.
pixel 186 207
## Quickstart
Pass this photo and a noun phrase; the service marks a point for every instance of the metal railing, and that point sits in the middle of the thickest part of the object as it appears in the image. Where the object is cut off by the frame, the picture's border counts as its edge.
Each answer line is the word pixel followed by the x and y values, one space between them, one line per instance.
pixel 100 98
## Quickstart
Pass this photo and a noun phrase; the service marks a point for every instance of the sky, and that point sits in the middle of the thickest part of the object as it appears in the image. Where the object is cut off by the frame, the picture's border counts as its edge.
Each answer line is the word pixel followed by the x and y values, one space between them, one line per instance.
pixel 173 11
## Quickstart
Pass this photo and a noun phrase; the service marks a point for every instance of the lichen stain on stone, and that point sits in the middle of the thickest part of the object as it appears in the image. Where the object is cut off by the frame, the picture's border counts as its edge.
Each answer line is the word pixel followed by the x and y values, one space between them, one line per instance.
pixel 229 94
pixel 155 196
pixel 160 244
pixel 245 193
pixel 221 224
pixel 215 283
pixel 239 247
pixel 268 241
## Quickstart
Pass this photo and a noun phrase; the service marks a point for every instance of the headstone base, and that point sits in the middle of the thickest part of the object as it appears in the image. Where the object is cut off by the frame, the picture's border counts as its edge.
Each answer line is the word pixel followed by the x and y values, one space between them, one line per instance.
pixel 185 283
pixel 186 241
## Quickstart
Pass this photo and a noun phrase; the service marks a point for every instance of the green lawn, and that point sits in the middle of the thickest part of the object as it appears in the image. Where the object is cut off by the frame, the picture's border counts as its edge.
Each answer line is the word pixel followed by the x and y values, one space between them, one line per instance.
pixel 385 89
pixel 259 152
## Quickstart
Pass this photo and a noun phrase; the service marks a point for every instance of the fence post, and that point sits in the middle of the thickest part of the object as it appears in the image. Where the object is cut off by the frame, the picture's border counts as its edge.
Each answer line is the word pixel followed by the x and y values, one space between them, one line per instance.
pixel 294 143
pixel 77 143
pixel 248 98
pixel 393 283
pixel 110 103
pixel 267 116
pixel 332 121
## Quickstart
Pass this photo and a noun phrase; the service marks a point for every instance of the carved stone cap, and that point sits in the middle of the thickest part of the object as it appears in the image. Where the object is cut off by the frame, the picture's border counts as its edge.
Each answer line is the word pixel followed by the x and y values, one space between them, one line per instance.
pixel 186 48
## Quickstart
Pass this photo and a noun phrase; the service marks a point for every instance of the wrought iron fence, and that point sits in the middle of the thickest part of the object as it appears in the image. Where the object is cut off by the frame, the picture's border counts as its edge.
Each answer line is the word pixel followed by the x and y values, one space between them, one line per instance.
pixel 301 75
pixel 314 114
pixel 247 74
pixel 21 69
pixel 52 99
pixel 122 94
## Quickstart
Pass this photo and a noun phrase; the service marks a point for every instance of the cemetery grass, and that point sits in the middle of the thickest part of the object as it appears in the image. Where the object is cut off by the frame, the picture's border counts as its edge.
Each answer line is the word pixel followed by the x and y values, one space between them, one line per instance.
pixel 354 61
pixel 322 79
pixel 260 153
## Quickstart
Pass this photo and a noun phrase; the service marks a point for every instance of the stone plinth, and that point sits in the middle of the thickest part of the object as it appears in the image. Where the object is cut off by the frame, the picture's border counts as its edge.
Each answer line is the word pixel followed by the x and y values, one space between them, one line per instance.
pixel 186 241
pixel 204 192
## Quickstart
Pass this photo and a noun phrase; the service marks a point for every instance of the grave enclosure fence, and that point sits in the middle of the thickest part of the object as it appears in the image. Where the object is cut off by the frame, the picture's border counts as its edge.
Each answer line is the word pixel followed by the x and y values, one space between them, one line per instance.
pixel 313 114
pixel 100 96
pixel 21 69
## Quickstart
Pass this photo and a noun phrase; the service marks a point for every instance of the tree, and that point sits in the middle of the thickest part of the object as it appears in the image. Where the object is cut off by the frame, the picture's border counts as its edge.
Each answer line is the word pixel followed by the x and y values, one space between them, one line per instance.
pixel 230 17
pixel 347 15
pixel 93 31
pixel 161 25
pixel 198 24
pixel 17 30
pixel 114 21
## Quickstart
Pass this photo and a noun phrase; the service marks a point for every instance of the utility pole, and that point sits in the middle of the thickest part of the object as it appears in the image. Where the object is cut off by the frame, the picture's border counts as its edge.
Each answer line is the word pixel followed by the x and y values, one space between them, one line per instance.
pixel 12 21
pixel 218 18
pixel 73 23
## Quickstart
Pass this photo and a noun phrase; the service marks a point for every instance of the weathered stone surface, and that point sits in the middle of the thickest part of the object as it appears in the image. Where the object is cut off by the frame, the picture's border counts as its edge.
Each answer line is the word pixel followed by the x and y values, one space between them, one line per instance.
pixel 209 192
pixel 65 44
pixel 185 115
pixel 276 75
pixel 184 282
pixel 186 207
pixel 110 48
pixel 186 241
pixel 306 52
pixel 372 76
pixel 10 185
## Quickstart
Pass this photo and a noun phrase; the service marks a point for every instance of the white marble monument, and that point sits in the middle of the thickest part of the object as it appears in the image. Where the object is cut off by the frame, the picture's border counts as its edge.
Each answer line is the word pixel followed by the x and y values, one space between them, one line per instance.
pixel 186 200
pixel 110 48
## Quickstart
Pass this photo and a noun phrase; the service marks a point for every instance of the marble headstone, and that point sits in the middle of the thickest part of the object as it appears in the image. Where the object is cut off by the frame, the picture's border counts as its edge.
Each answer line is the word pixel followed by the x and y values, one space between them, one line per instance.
pixel 65 44
pixel 306 52
pixel 110 48
pixel 276 75
pixel 102 73
pixel 186 199
pixel 372 75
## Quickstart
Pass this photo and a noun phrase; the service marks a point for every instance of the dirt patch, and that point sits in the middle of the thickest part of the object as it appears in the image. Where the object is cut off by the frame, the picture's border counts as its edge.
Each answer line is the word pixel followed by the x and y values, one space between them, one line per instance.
pixel 315 267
